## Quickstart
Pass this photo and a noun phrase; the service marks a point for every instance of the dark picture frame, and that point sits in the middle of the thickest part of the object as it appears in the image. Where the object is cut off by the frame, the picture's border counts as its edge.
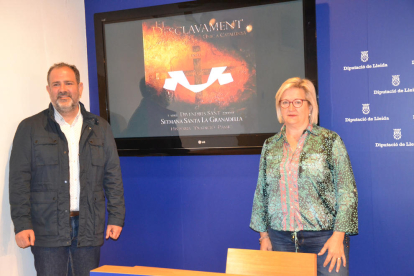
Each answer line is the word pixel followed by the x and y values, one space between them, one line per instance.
pixel 205 144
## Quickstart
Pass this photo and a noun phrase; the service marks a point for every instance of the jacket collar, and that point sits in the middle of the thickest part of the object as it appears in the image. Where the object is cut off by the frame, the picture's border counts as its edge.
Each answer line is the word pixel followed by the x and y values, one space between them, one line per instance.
pixel 88 117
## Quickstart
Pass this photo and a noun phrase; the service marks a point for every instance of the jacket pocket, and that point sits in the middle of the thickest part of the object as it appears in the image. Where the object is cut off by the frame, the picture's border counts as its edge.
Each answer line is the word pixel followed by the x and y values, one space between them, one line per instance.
pixel 99 207
pixel 44 213
pixel 97 151
pixel 46 151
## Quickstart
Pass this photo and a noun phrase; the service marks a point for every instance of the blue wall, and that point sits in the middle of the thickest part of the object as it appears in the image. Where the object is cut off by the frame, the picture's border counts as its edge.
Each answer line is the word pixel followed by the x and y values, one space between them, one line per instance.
pixel 184 212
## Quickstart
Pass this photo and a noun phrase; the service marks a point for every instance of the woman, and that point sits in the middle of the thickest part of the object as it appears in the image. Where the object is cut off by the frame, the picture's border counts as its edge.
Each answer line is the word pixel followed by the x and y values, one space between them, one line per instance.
pixel 306 198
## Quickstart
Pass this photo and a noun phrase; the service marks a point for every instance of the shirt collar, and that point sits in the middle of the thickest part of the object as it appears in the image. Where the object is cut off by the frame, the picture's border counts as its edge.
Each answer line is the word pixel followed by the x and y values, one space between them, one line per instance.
pixel 59 118
pixel 312 128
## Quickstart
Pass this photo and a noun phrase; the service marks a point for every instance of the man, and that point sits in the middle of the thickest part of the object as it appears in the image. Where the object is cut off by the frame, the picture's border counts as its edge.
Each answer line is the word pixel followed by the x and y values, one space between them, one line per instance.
pixel 63 164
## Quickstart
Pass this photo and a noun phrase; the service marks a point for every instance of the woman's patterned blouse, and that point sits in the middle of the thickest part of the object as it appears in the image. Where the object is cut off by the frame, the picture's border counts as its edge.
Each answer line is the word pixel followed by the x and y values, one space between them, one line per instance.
pixel 312 188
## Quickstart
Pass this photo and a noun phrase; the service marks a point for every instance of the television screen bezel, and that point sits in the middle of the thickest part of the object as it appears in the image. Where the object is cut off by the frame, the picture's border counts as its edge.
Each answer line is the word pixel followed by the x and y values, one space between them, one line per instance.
pixel 207 144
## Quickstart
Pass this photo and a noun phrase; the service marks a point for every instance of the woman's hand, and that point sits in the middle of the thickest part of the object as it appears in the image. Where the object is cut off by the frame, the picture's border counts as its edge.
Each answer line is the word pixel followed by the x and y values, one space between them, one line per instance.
pixel 335 247
pixel 265 243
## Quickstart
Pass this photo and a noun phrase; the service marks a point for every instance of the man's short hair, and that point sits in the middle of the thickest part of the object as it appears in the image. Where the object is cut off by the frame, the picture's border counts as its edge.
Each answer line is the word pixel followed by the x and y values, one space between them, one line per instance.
pixel 63 64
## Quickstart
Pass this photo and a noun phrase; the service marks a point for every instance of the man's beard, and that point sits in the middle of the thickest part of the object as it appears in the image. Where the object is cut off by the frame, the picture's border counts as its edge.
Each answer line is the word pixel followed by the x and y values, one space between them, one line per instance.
pixel 66 107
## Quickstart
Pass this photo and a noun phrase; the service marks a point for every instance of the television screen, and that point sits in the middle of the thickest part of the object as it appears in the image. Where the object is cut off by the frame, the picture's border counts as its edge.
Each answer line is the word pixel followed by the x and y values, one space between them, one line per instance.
pixel 200 77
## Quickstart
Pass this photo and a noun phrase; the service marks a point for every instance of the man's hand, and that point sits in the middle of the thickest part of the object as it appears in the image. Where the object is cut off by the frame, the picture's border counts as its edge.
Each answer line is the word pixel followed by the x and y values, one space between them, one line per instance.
pixel 25 238
pixel 113 232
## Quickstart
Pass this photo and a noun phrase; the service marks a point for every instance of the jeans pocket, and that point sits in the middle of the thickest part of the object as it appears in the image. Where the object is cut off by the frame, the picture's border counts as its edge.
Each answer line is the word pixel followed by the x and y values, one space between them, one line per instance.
pixel 281 240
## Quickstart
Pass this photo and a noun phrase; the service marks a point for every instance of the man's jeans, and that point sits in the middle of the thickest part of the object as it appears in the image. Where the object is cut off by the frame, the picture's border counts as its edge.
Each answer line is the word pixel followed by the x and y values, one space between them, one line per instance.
pixel 66 260
pixel 309 242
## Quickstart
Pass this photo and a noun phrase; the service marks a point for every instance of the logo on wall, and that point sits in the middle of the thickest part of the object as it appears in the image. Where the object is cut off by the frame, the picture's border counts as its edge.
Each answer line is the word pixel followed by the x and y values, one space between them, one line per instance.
pixel 397 134
pixel 364 56
pixel 396 80
pixel 365 108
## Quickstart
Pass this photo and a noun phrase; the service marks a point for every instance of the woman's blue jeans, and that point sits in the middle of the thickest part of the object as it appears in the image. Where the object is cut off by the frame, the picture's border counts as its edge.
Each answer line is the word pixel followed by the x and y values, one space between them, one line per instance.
pixel 66 260
pixel 309 242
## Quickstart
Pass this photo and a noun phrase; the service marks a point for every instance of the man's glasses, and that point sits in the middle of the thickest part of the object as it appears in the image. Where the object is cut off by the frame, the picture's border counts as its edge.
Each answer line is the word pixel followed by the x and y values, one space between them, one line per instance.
pixel 296 103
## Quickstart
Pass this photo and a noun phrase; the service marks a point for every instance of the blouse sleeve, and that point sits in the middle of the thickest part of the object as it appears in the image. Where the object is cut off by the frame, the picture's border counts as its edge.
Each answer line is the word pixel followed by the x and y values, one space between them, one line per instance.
pixel 259 219
pixel 346 191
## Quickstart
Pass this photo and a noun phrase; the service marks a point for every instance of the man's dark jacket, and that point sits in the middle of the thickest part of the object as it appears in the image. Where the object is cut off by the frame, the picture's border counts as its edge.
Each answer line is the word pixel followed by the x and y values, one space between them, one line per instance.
pixel 39 180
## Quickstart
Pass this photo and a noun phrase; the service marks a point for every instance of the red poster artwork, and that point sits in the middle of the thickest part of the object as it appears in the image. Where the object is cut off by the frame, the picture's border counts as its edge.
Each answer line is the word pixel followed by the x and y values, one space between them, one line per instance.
pixel 203 64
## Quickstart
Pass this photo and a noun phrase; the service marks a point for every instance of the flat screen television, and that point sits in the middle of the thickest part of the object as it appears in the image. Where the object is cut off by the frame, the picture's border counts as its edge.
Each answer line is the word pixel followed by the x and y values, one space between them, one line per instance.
pixel 200 77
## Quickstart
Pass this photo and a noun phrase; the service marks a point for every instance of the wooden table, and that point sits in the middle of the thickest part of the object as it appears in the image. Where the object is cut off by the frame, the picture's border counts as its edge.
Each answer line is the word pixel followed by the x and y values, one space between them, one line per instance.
pixel 109 270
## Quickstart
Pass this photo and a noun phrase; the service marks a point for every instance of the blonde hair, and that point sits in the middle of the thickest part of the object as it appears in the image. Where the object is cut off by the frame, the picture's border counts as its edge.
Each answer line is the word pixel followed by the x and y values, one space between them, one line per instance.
pixel 310 95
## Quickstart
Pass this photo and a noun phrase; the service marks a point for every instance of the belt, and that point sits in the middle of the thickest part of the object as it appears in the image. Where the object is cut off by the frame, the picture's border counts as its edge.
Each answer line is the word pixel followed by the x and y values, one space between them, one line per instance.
pixel 74 213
